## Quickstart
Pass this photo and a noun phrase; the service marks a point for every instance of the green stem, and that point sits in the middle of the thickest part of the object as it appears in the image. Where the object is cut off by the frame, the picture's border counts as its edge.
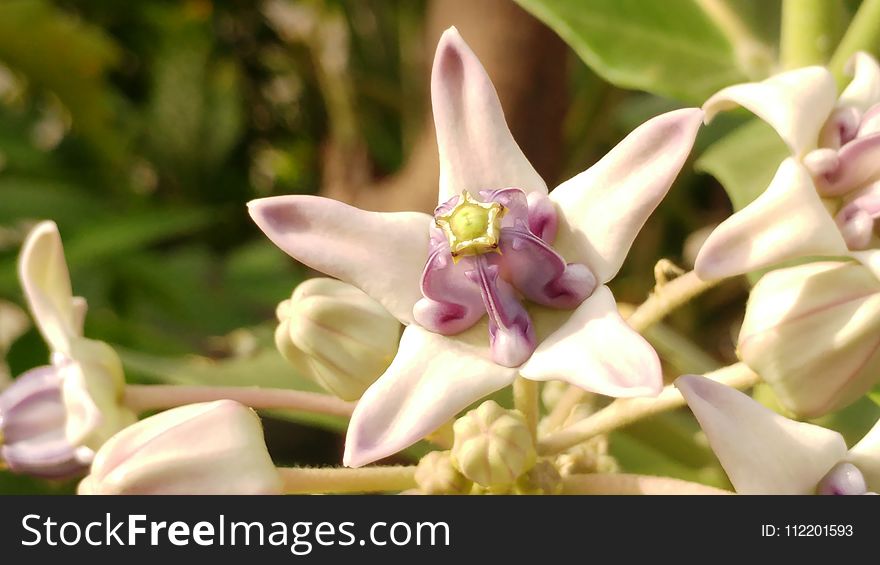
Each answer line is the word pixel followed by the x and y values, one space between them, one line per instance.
pixel 625 411
pixel 807 33
pixel 525 399
pixel 753 56
pixel 633 484
pixel 665 298
pixel 300 480
pixel 863 34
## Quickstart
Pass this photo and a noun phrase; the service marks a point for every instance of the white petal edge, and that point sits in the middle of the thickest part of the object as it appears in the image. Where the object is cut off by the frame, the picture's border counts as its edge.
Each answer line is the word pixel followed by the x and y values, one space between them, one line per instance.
pixel 788 220
pixel 602 209
pixel 863 91
pixel 477 150
pixel 44 277
pixel 383 254
pixel 596 350
pixel 761 451
pixel 795 103
pixel 431 379
pixel 866 456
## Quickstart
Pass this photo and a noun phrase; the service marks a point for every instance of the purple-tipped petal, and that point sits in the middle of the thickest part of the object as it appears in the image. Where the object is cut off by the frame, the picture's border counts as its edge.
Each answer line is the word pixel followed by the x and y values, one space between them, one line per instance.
pixel 788 220
pixel 858 164
pixel 841 128
pixel 511 335
pixel 761 451
pixel 602 209
pixel 866 456
pixel 431 380
pixel 856 219
pixel 863 91
pixel 477 150
pixel 381 253
pixel 844 479
pixel 795 103
pixel 543 220
pixel 596 350
pixel 821 162
pixel 452 301
pixel 540 274
pixel 870 123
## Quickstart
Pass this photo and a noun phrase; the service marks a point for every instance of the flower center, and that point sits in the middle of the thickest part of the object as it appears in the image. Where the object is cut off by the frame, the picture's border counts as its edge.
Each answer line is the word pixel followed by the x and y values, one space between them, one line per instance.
pixel 472 227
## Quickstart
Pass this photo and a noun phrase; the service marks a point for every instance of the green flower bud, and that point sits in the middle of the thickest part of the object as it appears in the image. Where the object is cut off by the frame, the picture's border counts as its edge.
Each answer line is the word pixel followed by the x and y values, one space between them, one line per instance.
pixel 437 475
pixel 337 336
pixel 493 446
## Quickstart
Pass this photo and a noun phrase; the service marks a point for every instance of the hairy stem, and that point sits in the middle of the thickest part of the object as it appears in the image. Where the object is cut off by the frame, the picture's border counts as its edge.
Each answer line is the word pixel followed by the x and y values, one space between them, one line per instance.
pixel 807 33
pixel 628 410
pixel 665 298
pixel 525 399
pixel 300 480
pixel 633 484
pixel 151 397
pixel 863 34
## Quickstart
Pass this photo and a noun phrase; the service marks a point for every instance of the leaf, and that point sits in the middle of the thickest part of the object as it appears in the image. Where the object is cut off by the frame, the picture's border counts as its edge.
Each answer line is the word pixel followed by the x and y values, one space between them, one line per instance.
pixel 671 48
pixel 744 161
pixel 875 396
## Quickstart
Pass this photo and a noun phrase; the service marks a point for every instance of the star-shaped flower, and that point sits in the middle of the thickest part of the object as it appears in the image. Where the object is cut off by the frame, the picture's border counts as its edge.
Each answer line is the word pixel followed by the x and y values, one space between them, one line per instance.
pixel 492 251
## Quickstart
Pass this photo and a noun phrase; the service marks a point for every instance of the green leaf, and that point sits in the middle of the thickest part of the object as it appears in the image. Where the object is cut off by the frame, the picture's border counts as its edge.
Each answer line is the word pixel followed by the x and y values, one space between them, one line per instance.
pixel 744 161
pixel 671 48
pixel 875 396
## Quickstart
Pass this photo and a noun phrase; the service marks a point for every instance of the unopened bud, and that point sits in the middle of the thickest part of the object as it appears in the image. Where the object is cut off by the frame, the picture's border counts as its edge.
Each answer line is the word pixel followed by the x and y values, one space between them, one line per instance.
pixel 437 475
pixel 543 478
pixel 337 336
pixel 493 446
pixel 811 333
pixel 207 448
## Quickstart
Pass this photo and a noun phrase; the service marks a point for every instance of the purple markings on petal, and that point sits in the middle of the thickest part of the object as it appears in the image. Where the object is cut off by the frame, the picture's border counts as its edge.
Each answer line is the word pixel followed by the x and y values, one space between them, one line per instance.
pixel 844 479
pixel 32 419
pixel 859 164
pixel 543 221
pixel 511 335
pixel 856 218
pixel 841 128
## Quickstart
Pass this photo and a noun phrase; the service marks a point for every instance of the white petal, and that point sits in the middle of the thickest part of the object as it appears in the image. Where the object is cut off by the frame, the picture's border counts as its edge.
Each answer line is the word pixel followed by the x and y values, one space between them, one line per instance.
pixel 602 209
pixel 787 221
pixel 381 253
pixel 866 456
pixel 761 451
pixel 477 150
pixel 432 379
pixel 45 280
pixel 796 103
pixel 870 258
pixel 864 89
pixel 596 350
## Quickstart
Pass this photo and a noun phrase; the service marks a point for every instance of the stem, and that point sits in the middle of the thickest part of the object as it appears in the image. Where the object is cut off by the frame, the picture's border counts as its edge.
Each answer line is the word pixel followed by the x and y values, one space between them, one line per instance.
pixel 863 34
pixel 628 410
pixel 754 57
pixel 665 298
pixel 151 397
pixel 807 32
pixel 299 480
pixel 525 399
pixel 633 484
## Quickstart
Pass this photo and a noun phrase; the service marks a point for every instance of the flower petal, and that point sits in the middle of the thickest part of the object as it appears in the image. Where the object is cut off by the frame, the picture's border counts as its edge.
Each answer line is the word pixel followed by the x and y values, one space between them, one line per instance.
pixel 45 280
pixel 863 91
pixel 866 456
pixel 796 103
pixel 858 163
pixel 432 379
pixel 761 451
pixel 602 209
pixel 787 221
pixel 596 350
pixel 381 253
pixel 477 150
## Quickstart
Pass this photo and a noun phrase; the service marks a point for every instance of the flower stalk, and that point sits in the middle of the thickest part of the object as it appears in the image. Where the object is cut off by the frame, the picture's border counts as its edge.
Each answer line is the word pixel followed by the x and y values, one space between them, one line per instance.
pixel 807 32
pixel 525 399
pixel 601 483
pixel 863 34
pixel 301 480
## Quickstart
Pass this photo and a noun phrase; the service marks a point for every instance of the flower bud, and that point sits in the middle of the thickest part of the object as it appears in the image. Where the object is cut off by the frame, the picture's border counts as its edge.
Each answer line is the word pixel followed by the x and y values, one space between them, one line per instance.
pixel 493 446
pixel 337 336
pixel 32 421
pixel 437 475
pixel 811 332
pixel 543 478
pixel 207 448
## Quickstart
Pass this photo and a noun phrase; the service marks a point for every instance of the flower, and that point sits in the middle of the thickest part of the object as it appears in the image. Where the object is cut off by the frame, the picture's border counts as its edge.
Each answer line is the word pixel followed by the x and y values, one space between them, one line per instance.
pixel 93 382
pixel 207 448
pixel 825 198
pixel 495 238
pixel 813 334
pixel 337 336
pixel 766 453
pixel 32 421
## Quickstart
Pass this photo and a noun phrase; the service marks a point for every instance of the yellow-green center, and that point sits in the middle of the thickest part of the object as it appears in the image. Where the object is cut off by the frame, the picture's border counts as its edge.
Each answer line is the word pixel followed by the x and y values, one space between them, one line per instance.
pixel 469 221
pixel 472 227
